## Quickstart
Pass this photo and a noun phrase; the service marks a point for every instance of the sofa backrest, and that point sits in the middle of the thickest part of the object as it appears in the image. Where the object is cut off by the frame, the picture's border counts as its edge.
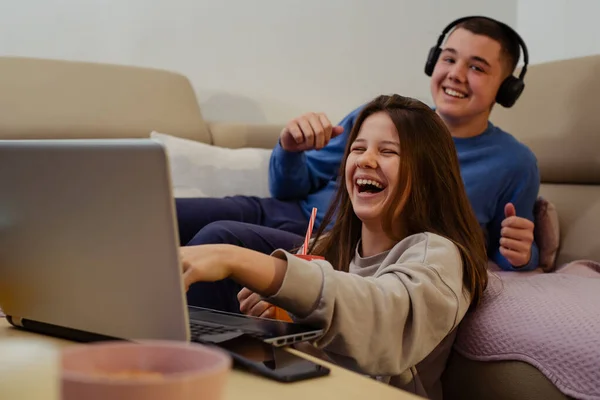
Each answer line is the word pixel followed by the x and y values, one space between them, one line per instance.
pixel 42 98
pixel 558 117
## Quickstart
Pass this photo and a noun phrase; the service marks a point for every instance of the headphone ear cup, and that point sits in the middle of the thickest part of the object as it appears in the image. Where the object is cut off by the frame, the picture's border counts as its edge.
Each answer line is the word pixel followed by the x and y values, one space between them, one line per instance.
pixel 432 57
pixel 509 91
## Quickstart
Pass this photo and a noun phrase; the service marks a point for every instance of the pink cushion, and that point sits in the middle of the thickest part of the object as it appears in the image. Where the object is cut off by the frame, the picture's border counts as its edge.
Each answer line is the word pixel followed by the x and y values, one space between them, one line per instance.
pixel 546 233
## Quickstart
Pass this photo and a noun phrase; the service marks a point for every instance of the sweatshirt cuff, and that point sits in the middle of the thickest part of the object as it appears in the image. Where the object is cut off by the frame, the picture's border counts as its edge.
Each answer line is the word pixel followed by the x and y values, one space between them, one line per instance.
pixel 534 261
pixel 288 160
pixel 302 285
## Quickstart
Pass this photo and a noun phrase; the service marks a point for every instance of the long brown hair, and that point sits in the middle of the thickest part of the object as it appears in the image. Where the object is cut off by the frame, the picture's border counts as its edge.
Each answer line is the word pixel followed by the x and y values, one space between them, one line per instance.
pixel 430 198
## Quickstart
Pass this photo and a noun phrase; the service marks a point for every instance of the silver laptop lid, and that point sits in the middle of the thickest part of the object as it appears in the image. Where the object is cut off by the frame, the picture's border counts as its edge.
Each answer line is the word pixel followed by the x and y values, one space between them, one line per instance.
pixel 88 237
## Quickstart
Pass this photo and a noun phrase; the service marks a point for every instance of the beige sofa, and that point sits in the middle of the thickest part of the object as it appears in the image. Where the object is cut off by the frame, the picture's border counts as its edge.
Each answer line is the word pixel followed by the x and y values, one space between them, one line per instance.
pixel 558 117
pixel 60 99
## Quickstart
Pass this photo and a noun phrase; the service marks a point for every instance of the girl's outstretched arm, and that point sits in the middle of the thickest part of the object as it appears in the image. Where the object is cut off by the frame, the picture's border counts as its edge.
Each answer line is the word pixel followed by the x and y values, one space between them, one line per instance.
pixel 257 271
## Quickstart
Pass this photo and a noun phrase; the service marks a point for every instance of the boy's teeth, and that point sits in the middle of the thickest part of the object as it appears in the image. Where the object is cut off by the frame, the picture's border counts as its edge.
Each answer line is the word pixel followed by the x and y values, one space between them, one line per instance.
pixel 362 182
pixel 454 93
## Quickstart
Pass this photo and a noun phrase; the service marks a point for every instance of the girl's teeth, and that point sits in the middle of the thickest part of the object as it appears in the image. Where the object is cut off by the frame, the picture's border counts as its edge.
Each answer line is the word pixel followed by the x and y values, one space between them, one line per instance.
pixel 362 182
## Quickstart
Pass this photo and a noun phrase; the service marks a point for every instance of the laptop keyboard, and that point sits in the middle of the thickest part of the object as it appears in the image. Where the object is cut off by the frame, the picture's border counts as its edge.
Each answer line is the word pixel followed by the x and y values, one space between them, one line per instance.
pixel 198 330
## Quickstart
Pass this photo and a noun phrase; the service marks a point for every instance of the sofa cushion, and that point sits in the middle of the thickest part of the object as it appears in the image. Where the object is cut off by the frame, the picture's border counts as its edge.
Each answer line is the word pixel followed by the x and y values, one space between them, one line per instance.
pixel 579 214
pixel 202 170
pixel 557 117
pixel 235 135
pixel 67 99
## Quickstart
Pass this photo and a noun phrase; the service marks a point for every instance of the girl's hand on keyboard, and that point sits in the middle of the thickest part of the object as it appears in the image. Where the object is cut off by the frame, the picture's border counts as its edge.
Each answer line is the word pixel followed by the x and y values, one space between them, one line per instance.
pixel 206 263
pixel 252 304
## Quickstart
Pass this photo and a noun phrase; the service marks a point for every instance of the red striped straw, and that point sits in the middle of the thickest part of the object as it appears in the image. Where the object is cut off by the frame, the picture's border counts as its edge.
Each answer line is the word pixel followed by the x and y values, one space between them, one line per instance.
pixel 311 223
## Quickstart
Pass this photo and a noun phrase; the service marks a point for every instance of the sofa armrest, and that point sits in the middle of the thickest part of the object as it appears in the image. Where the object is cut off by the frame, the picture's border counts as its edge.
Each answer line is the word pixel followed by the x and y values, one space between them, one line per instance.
pixel 236 135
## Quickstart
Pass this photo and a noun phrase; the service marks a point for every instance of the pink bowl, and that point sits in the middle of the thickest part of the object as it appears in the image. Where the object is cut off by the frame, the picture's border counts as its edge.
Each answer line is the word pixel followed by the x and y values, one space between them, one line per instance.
pixel 148 370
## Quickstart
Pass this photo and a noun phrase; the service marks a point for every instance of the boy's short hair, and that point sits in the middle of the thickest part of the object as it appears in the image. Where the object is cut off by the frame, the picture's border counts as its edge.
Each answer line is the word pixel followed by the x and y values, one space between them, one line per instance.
pixel 509 44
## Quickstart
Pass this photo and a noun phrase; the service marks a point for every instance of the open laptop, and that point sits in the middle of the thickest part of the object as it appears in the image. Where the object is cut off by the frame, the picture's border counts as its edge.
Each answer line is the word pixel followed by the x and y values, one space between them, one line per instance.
pixel 89 248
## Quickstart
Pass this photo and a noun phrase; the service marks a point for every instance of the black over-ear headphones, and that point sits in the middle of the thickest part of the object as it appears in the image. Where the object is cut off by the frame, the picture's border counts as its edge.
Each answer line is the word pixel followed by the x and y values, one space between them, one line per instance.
pixel 511 88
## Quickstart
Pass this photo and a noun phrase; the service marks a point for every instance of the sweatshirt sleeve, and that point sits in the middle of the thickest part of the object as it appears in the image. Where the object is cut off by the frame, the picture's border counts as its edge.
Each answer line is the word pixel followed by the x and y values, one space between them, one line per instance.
pixel 522 193
pixel 295 175
pixel 384 324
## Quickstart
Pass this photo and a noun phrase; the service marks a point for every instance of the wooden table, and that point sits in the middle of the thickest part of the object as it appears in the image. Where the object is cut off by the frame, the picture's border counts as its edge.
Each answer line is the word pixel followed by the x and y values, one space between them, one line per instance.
pixel 340 384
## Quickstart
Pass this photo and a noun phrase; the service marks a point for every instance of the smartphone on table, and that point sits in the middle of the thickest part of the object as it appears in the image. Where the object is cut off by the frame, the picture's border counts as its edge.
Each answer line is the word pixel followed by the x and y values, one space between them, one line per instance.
pixel 256 356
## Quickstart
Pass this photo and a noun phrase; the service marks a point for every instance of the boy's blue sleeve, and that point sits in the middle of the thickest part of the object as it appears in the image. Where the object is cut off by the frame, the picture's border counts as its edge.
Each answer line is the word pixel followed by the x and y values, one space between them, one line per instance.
pixel 294 176
pixel 522 193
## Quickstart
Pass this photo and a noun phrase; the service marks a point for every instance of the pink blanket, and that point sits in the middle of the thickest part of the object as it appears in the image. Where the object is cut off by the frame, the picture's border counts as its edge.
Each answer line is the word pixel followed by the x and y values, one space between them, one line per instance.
pixel 549 320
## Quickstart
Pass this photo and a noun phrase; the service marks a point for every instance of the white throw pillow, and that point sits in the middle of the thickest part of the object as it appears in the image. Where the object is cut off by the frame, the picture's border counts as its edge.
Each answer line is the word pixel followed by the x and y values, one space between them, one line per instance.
pixel 202 170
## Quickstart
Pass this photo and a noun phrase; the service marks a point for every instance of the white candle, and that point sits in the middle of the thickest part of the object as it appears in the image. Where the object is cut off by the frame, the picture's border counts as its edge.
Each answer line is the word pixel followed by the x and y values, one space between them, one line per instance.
pixel 29 370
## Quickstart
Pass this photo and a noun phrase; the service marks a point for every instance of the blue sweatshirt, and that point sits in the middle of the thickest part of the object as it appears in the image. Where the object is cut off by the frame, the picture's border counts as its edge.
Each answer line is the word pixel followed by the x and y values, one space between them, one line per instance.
pixel 496 169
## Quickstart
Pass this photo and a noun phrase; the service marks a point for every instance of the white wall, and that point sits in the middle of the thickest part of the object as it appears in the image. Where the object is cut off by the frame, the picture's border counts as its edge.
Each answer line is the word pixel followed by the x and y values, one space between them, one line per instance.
pixel 251 60
pixel 559 29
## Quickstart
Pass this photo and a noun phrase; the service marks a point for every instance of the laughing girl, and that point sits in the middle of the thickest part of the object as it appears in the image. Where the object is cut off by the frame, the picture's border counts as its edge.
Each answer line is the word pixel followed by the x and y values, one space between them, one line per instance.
pixel 404 260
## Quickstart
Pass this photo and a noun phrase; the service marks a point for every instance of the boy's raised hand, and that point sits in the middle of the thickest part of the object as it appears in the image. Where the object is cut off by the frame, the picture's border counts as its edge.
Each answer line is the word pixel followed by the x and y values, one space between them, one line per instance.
pixel 516 237
pixel 307 132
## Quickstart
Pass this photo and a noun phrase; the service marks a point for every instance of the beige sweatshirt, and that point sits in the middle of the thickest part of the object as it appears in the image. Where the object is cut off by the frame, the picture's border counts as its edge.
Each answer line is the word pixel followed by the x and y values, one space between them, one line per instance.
pixel 393 317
